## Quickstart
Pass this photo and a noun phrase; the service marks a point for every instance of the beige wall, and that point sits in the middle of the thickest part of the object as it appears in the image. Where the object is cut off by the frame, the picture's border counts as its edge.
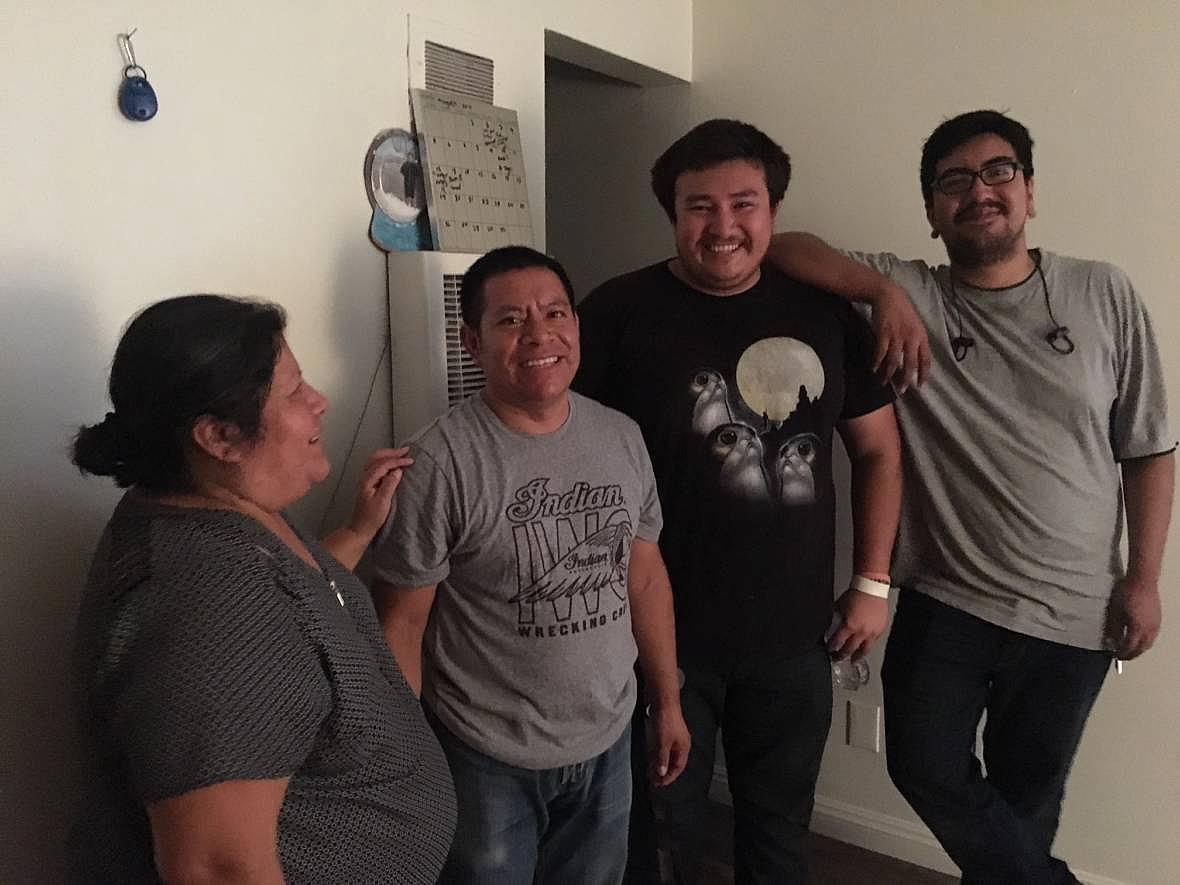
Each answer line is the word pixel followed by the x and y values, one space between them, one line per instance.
pixel 249 181
pixel 852 90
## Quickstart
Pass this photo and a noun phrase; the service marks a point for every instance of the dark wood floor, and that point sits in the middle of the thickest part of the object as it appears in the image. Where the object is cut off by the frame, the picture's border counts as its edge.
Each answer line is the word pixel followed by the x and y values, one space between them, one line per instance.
pixel 837 863
pixel 833 863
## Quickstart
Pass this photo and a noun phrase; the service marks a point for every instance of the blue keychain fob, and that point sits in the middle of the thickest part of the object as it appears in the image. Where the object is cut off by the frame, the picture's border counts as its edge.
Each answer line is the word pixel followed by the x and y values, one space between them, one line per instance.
pixel 137 99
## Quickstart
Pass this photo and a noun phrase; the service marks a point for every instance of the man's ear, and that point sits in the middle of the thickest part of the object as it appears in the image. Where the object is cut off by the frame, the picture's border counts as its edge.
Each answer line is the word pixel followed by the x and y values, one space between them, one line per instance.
pixel 930 220
pixel 219 439
pixel 1032 203
pixel 470 340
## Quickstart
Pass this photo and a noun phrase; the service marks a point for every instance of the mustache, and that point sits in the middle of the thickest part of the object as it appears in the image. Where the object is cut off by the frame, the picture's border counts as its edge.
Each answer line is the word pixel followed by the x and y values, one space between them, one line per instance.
pixel 982 204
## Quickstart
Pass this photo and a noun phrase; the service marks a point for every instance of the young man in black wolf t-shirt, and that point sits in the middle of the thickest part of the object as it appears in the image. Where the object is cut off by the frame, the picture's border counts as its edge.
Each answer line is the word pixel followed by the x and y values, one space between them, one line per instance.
pixel 737 377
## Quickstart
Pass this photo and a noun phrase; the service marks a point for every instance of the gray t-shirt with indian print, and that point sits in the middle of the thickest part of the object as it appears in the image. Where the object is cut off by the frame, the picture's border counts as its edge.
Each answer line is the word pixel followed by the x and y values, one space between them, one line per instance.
pixel 1013 505
pixel 528 656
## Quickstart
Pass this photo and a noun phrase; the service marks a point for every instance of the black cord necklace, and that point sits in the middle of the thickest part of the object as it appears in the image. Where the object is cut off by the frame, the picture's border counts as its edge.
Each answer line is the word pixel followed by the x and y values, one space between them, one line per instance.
pixel 1058 338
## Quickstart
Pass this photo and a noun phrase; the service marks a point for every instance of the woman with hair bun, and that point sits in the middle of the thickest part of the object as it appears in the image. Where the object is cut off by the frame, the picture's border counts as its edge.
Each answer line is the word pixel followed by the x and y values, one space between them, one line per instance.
pixel 243 719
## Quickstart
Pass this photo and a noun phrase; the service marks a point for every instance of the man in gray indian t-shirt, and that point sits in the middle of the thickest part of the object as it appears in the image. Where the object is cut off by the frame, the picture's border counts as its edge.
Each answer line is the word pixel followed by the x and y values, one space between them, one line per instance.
pixel 1040 436
pixel 516 583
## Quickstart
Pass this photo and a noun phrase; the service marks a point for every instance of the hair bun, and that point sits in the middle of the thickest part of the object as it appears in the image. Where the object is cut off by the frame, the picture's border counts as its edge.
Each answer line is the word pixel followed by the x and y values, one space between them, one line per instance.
pixel 109 448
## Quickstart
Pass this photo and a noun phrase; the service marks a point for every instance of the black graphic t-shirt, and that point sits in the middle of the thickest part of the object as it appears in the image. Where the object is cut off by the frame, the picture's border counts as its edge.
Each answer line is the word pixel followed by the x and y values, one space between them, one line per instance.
pixel 737 398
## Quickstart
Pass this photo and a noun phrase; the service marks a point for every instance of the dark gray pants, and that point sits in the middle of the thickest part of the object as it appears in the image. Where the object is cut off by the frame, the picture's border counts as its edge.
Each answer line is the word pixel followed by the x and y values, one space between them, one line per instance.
pixel 943 669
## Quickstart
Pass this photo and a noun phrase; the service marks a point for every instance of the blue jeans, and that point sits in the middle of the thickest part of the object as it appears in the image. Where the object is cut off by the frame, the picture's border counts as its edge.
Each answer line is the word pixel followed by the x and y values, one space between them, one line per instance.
pixel 774 717
pixel 943 669
pixel 519 826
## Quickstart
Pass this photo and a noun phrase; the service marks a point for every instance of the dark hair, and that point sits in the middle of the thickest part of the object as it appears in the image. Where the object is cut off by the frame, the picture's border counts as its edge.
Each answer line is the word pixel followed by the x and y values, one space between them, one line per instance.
pixel 951 133
pixel 500 261
pixel 178 360
pixel 714 142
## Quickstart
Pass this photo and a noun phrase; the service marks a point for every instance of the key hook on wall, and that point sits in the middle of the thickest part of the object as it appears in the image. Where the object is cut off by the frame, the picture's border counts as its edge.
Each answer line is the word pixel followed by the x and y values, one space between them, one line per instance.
pixel 127 49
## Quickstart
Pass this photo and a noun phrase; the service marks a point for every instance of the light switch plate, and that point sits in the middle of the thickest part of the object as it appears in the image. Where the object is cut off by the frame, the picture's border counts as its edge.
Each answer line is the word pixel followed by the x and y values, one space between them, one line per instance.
pixel 864 726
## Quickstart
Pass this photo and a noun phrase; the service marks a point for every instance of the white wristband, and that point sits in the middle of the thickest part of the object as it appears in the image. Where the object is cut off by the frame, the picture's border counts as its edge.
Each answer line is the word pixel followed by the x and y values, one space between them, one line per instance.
pixel 867 585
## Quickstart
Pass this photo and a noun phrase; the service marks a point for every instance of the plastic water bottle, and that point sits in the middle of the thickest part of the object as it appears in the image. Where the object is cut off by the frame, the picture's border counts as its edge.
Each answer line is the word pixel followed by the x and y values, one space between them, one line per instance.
pixel 846 674
pixel 849 674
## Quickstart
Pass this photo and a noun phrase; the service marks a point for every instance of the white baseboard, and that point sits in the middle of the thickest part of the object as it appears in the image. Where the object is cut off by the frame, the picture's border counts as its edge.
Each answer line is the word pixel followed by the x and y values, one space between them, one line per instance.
pixel 882 833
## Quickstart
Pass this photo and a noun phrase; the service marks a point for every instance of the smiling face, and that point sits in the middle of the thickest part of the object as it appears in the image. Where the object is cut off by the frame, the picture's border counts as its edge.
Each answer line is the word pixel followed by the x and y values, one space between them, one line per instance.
pixel 724 221
pixel 527 346
pixel 985 224
pixel 288 456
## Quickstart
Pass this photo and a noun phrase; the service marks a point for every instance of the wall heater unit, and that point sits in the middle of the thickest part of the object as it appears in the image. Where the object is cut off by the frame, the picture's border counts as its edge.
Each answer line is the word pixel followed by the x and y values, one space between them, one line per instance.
pixel 431 371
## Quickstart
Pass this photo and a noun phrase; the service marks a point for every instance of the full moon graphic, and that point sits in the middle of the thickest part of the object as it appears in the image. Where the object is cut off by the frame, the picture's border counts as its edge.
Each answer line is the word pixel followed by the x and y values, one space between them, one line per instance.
pixel 771 371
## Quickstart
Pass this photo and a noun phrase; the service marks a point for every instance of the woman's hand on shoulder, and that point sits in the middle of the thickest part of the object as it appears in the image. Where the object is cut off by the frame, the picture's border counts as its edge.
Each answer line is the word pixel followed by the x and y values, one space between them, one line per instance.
pixel 374 502
pixel 379 481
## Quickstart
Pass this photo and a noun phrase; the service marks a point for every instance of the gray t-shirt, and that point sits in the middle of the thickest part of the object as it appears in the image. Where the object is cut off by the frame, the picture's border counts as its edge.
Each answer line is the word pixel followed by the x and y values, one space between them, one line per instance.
pixel 528 656
pixel 1013 506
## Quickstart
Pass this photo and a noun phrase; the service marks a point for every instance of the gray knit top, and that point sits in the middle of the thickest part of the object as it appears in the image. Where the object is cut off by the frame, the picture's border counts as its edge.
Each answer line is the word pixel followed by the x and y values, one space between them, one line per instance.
pixel 207 651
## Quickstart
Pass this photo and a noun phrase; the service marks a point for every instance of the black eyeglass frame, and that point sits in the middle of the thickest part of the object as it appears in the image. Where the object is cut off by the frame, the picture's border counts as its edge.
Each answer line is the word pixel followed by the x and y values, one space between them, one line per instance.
pixel 1013 166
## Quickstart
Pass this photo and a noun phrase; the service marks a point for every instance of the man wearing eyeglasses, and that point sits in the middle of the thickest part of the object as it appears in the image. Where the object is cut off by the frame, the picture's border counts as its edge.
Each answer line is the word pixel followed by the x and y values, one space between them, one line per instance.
pixel 1042 431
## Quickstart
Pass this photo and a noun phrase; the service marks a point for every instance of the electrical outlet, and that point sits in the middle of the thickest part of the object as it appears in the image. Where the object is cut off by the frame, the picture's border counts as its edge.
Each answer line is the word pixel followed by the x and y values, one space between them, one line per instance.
pixel 864 726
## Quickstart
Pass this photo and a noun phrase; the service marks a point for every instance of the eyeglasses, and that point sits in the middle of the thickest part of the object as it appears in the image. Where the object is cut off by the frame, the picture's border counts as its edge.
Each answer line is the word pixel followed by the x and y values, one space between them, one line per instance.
pixel 958 181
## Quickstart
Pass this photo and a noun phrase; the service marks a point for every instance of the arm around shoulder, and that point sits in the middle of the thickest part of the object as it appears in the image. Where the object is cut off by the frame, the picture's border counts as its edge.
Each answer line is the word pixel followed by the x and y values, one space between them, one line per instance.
pixel 903 350
pixel 809 259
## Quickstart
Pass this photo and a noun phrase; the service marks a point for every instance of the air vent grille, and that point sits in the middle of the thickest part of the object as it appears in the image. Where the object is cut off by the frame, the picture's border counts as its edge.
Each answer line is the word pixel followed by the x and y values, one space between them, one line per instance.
pixel 464 377
pixel 463 73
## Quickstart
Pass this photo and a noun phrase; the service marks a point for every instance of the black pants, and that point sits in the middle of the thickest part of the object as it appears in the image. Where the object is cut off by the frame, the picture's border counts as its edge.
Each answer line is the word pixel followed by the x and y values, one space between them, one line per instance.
pixel 774 719
pixel 943 669
pixel 643 866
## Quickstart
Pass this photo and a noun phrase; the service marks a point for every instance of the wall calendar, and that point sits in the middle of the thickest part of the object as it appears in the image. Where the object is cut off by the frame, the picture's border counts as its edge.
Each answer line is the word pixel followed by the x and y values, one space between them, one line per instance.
pixel 473 166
